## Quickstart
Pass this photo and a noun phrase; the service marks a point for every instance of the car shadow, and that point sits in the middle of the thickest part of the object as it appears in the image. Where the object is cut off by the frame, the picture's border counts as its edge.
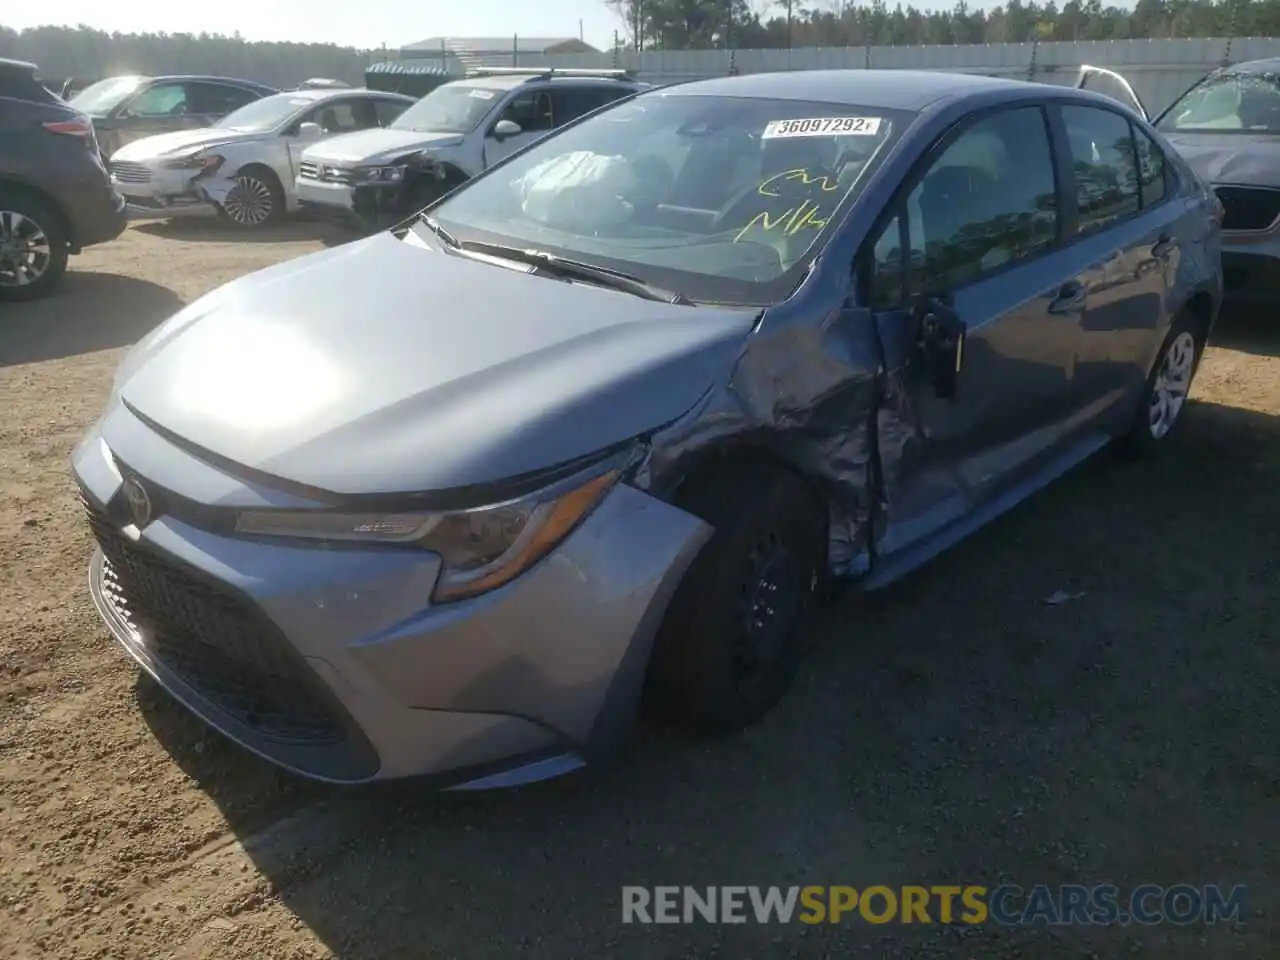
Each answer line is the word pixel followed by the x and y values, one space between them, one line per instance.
pixel 962 728
pixel 85 313
pixel 1249 330
pixel 212 230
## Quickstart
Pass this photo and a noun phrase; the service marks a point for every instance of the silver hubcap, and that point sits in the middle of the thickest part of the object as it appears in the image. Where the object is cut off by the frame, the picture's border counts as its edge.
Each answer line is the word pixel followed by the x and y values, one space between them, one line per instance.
pixel 1173 383
pixel 25 251
pixel 249 203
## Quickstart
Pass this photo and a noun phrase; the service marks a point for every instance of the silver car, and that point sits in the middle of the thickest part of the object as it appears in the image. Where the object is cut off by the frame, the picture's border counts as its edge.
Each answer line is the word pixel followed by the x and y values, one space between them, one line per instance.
pixel 1227 127
pixel 607 417
pixel 244 167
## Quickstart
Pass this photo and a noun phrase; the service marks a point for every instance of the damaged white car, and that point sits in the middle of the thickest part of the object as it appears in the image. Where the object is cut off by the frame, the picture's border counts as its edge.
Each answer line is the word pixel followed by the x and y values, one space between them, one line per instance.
pixel 244 168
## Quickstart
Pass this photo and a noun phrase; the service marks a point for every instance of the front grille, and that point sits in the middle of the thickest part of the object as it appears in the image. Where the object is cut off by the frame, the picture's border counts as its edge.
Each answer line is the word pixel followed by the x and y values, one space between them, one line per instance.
pixel 126 172
pixel 310 170
pixel 1248 208
pixel 215 640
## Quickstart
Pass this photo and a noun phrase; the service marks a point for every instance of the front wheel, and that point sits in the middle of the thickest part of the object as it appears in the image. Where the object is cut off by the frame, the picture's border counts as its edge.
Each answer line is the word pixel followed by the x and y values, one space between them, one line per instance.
pixel 33 248
pixel 732 638
pixel 255 201
pixel 1168 387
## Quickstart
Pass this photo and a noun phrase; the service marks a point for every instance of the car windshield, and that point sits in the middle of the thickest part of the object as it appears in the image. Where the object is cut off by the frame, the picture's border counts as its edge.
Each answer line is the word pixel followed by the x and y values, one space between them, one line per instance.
pixel 1240 102
pixel 722 199
pixel 453 108
pixel 99 99
pixel 265 114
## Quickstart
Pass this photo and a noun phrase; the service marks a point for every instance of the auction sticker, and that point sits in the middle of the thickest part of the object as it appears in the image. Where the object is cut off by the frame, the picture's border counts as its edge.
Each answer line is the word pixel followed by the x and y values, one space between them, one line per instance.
pixel 822 127
pixel 480 94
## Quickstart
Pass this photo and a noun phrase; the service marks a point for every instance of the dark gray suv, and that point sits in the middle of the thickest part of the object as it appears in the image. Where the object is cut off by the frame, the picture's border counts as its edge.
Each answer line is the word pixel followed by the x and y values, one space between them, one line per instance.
pixel 55 194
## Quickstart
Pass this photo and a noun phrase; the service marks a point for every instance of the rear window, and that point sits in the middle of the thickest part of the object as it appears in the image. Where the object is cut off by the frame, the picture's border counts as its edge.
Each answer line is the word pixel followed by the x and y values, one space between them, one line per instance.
pixel 21 85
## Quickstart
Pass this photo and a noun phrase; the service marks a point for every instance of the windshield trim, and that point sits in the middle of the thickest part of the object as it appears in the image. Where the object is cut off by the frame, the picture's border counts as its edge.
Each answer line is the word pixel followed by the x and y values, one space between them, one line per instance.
pixel 702 288
pixel 130 85
pixel 281 124
pixel 1166 115
pixel 494 102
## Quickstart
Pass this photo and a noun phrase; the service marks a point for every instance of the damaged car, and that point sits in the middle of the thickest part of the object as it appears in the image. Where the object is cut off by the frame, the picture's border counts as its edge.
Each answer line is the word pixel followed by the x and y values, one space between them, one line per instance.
pixel 1227 127
pixel 373 180
pixel 124 109
pixel 600 426
pixel 243 167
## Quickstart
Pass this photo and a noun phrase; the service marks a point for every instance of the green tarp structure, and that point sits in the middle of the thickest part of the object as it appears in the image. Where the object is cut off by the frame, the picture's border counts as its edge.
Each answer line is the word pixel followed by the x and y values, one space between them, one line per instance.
pixel 414 78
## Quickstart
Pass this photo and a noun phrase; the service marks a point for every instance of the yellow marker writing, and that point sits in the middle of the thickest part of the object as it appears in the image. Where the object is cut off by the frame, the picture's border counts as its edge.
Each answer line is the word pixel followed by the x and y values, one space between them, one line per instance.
pixel 769 186
pixel 789 222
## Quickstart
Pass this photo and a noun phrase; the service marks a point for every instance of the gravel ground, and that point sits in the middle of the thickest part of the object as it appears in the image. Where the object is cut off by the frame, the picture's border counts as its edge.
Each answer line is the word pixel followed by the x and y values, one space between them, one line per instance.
pixel 956 730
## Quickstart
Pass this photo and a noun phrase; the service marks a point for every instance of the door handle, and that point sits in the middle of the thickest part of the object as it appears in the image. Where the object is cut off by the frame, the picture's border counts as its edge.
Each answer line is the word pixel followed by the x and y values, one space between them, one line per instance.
pixel 1162 247
pixel 1070 298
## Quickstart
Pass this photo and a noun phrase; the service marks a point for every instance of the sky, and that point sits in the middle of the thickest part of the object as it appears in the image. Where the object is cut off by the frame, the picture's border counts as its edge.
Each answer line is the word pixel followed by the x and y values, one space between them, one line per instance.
pixel 398 22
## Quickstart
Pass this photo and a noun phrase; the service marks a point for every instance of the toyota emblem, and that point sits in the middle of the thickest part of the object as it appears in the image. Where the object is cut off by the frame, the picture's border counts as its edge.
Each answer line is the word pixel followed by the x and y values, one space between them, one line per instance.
pixel 135 494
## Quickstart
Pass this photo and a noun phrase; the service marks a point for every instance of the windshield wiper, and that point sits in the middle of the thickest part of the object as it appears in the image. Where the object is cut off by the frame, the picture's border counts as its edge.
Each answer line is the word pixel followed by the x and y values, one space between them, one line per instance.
pixel 584 272
pixel 447 238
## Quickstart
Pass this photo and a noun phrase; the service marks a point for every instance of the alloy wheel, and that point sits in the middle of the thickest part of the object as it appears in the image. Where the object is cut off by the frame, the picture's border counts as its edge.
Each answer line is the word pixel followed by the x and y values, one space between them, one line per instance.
pixel 250 202
pixel 25 250
pixel 1172 384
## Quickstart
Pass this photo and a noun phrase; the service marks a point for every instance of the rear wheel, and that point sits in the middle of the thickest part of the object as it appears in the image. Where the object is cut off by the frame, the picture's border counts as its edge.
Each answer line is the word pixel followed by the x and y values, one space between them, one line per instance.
pixel 732 638
pixel 255 201
pixel 33 247
pixel 1168 387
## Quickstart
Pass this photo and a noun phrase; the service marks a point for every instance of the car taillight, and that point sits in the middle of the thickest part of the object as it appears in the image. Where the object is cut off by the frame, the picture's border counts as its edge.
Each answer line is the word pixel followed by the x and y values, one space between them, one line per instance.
pixel 70 128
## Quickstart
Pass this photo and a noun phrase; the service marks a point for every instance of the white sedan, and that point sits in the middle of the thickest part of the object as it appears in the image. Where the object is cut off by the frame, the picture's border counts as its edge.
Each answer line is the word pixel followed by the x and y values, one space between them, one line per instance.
pixel 244 168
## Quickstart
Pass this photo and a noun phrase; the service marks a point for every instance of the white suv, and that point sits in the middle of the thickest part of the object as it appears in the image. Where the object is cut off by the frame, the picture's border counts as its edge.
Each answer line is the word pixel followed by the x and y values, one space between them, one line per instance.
pixel 457 131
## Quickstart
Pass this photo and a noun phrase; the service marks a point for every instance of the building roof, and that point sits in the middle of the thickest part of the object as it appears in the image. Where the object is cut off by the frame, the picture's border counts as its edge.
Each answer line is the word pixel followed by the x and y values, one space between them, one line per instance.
pixel 498 44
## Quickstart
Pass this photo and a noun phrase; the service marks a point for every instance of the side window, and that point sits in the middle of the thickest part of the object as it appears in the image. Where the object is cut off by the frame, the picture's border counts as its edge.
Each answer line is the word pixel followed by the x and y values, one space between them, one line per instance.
pixel 532 110
pixel 217 99
pixel 887 288
pixel 1151 172
pixel 388 110
pixel 987 201
pixel 1102 155
pixel 343 116
pixel 160 100
pixel 569 103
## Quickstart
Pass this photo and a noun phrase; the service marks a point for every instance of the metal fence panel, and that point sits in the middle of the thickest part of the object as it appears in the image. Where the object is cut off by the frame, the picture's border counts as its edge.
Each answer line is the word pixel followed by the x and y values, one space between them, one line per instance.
pixel 1159 70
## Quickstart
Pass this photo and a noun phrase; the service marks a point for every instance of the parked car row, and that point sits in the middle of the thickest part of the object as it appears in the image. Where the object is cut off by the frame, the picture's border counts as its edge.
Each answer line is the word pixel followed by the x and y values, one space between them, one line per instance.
pixel 365 157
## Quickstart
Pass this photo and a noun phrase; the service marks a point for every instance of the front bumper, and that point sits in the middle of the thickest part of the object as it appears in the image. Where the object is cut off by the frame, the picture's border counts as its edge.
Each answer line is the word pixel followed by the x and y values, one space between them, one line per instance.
pixel 168 193
pixel 335 664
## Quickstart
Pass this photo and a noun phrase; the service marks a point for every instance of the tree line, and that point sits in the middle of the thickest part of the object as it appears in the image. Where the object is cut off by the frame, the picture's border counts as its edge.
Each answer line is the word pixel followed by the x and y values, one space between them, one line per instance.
pixel 744 24
pixel 62 52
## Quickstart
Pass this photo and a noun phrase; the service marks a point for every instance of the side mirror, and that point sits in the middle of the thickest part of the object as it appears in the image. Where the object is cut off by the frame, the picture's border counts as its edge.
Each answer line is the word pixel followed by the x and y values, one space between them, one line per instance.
pixel 505 128
pixel 310 130
pixel 941 336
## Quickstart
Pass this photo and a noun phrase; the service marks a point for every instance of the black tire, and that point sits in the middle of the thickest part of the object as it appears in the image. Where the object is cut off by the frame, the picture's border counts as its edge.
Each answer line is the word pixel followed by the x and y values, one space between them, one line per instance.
pixel 732 638
pixel 29 220
pixel 1172 374
pixel 257 201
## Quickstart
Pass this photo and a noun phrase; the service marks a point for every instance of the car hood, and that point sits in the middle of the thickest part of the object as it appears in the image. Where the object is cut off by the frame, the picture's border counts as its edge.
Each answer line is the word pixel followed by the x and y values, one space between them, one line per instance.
pixel 377 146
pixel 1238 158
pixel 385 366
pixel 148 148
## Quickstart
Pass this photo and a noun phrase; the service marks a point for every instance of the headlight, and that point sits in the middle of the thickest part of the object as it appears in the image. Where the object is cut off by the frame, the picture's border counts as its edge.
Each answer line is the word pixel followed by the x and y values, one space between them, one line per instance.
pixel 381 174
pixel 482 549
pixel 198 162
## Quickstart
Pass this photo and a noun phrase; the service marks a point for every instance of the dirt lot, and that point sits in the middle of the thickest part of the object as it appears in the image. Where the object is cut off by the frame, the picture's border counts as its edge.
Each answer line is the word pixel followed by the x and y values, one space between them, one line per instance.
pixel 957 730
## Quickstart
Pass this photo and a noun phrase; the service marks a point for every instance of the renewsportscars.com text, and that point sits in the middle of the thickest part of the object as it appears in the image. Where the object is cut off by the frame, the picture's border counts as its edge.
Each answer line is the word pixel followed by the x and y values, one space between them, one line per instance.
pixel 1008 904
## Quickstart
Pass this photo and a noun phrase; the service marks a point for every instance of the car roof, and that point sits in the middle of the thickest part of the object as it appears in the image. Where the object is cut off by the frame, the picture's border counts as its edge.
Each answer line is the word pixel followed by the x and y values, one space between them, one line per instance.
pixel 885 89
pixel 510 81
pixel 333 94
pixel 204 77
pixel 1269 65
pixel 20 65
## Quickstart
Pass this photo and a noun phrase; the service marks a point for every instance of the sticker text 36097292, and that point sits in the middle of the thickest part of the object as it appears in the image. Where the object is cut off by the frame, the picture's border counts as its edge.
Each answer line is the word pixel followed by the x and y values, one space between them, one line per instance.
pixel 822 127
